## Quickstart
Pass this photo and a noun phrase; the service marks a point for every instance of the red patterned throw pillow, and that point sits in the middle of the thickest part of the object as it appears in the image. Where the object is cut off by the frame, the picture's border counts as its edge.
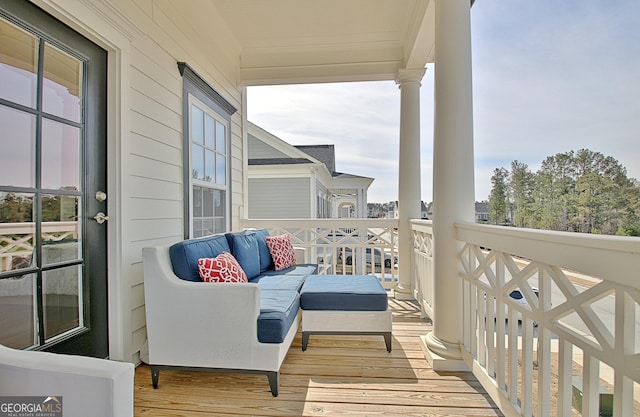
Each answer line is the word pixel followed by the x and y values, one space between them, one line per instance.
pixel 281 251
pixel 222 268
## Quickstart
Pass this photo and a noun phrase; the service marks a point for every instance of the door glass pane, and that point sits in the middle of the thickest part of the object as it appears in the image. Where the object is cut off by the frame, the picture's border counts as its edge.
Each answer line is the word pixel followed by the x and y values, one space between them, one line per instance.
pixel 17 144
pixel 60 156
pixel 63 78
pixel 18 65
pixel 60 235
pixel 62 295
pixel 17 311
pixel 17 230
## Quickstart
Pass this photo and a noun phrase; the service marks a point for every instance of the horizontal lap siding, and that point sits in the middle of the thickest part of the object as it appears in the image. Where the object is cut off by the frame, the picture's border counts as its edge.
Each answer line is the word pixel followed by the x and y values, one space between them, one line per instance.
pixel 152 153
pixel 279 198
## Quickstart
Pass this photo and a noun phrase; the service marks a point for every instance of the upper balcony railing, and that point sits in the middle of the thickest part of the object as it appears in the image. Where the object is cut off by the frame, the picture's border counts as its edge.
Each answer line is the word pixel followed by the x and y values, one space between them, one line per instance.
pixel 343 246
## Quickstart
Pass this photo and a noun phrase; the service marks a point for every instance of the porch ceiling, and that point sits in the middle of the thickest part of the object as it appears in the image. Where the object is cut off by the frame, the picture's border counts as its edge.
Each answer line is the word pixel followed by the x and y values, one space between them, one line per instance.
pixel 303 41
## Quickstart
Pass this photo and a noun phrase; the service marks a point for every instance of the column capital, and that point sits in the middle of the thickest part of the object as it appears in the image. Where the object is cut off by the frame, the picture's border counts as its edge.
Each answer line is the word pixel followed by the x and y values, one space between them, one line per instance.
pixel 406 76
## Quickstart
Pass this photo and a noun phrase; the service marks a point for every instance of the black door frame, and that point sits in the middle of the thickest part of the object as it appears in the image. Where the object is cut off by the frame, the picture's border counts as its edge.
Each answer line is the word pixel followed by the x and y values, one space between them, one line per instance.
pixel 94 340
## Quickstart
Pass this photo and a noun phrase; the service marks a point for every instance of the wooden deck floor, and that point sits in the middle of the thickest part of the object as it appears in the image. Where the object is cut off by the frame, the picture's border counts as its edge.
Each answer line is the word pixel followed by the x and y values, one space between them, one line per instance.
pixel 335 376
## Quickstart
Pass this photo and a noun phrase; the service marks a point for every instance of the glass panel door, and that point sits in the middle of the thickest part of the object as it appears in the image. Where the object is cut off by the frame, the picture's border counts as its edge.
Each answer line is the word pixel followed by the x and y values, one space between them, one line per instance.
pixel 51 295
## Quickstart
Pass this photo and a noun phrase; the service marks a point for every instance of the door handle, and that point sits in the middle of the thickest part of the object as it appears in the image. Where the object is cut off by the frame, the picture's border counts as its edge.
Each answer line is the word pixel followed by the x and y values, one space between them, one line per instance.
pixel 101 217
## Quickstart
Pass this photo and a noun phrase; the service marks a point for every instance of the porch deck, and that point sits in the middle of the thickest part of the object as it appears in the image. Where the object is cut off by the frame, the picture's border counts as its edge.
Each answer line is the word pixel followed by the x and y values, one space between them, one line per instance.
pixel 347 376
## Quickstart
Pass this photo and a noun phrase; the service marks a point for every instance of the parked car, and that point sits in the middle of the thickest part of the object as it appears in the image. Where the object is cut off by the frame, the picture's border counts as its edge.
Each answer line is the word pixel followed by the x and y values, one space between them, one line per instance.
pixel 378 255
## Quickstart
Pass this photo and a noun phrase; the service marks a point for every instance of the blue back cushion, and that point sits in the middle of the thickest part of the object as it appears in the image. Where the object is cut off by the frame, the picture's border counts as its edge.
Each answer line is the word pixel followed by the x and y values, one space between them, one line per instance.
pixel 184 255
pixel 244 247
pixel 266 262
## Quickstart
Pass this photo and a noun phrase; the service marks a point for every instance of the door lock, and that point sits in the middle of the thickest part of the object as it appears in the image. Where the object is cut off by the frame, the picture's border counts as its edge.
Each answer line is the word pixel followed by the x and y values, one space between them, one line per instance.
pixel 101 217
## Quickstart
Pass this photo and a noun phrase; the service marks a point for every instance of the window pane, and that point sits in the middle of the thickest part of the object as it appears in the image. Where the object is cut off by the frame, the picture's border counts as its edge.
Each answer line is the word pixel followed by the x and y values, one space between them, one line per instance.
pixel 17 311
pixel 209 228
pixel 62 92
pixel 198 230
pixel 209 131
pixel 219 204
pixel 221 138
pixel 207 200
pixel 197 202
pixel 197 125
pixel 60 156
pixel 62 299
pixel 18 65
pixel 221 170
pixel 197 162
pixel 61 239
pixel 17 231
pixel 210 161
pixel 17 141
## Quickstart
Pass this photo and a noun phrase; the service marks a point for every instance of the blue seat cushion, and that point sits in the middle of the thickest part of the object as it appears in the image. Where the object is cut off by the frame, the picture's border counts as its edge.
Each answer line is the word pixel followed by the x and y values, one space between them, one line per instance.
pixel 343 292
pixel 280 282
pixel 244 247
pixel 185 254
pixel 266 261
pixel 302 269
pixel 278 310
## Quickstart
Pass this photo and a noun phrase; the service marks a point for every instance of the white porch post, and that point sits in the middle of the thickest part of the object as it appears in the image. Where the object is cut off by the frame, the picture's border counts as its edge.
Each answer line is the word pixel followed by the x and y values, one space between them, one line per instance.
pixel 409 174
pixel 453 177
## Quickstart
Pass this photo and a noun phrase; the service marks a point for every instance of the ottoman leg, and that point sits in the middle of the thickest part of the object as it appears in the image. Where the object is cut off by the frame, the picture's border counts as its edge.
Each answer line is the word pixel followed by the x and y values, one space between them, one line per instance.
pixel 305 340
pixel 387 341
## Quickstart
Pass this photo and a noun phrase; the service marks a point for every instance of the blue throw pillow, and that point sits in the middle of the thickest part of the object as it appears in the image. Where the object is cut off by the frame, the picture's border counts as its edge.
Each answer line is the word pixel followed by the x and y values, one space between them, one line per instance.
pixel 266 262
pixel 185 254
pixel 244 247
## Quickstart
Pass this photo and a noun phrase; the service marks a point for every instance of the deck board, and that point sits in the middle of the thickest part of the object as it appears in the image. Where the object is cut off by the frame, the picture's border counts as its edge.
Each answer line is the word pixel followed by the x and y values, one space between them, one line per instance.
pixel 335 376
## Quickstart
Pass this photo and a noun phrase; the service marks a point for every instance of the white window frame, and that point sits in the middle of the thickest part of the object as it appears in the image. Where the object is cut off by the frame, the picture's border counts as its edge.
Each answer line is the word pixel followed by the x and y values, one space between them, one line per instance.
pixel 197 90
pixel 213 185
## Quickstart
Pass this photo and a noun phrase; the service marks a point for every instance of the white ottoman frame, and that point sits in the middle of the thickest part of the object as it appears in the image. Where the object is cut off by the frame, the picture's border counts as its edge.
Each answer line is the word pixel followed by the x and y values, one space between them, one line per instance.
pixel 346 322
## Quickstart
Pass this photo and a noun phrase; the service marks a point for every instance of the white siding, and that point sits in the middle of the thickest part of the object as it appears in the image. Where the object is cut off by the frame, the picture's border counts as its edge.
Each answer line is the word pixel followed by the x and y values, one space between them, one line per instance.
pixel 146 39
pixel 279 198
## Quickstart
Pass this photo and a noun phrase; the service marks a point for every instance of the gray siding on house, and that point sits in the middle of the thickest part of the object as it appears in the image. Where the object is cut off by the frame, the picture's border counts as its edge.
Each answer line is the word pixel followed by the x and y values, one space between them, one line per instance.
pixel 279 198
pixel 260 150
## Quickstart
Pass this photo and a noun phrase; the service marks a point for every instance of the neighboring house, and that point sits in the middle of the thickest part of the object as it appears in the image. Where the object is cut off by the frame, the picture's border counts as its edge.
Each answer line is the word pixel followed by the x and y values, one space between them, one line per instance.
pixel 288 181
pixel 426 210
pixel 482 212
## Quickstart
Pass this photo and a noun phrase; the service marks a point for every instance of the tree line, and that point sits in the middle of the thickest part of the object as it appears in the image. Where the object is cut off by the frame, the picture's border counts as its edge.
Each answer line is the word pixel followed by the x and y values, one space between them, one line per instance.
pixel 577 191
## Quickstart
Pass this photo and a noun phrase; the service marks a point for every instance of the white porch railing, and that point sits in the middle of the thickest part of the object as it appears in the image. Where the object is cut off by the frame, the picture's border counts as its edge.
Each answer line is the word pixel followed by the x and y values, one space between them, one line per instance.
pixel 422 237
pixel 16 239
pixel 343 246
pixel 578 337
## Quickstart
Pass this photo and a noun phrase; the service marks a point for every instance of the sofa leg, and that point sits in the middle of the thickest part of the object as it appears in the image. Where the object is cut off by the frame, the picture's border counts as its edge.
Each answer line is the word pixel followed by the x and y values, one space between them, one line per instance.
pixel 387 341
pixel 155 376
pixel 274 382
pixel 305 340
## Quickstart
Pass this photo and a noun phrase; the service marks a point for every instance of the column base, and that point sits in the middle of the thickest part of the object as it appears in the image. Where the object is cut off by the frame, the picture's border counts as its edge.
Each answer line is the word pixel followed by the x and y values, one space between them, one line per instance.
pixel 403 294
pixel 442 356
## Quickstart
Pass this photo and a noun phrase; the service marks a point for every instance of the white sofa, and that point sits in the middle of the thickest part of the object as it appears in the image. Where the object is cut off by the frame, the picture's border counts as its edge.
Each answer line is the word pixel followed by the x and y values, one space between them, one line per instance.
pixel 88 386
pixel 209 326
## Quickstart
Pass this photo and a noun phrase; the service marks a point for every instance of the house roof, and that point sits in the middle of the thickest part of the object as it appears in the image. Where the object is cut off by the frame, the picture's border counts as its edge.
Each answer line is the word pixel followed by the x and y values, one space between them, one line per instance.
pixel 323 153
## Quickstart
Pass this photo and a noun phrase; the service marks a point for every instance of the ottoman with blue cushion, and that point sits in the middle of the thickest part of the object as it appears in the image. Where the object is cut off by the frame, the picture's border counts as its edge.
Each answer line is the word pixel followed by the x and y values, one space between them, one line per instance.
pixel 346 304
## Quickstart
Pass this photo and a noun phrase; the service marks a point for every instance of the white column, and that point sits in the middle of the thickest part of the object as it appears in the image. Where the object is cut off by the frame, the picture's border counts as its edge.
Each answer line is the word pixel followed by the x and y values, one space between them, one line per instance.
pixel 409 175
pixel 453 178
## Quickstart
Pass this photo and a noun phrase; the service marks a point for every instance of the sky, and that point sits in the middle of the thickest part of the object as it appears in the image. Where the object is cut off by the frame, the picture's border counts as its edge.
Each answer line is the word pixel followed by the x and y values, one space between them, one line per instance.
pixel 549 76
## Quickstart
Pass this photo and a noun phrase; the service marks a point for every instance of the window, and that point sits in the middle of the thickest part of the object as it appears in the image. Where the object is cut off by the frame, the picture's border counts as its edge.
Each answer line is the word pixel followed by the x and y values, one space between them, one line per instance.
pixel 206 157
